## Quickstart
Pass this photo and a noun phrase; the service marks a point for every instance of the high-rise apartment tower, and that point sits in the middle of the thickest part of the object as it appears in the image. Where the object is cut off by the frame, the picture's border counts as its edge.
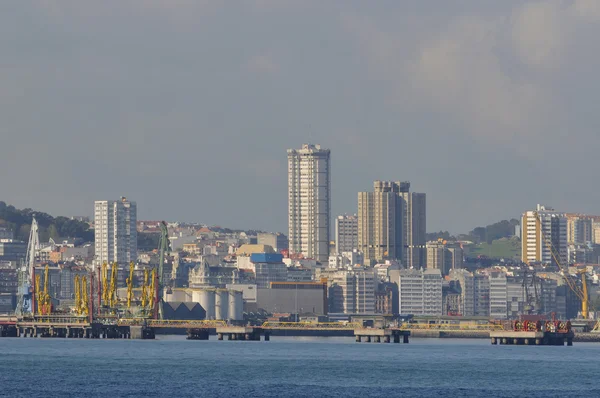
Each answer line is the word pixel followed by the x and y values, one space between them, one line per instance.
pixel 115 231
pixel 309 201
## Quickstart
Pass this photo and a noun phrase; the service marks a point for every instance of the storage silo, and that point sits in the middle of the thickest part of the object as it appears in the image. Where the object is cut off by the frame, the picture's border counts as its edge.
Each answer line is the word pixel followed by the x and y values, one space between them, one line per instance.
pixel 206 298
pixel 221 304
pixel 236 306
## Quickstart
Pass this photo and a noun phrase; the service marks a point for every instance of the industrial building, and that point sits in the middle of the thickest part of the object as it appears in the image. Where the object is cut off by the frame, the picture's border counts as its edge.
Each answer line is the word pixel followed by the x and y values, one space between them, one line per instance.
pixel 220 304
pixel 294 298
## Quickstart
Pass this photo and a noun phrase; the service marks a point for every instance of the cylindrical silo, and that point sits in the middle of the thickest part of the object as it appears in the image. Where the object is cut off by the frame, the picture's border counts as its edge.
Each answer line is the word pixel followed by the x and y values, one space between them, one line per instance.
pixel 206 298
pixel 221 304
pixel 236 306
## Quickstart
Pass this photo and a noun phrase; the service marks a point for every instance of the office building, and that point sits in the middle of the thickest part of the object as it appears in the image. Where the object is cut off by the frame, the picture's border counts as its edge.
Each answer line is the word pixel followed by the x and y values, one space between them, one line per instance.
pixel 115 231
pixel 346 233
pixel 309 201
pixel 544 236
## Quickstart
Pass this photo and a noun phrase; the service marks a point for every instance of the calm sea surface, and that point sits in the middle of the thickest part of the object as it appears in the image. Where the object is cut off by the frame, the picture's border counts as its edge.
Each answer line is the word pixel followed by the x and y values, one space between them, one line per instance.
pixel 294 367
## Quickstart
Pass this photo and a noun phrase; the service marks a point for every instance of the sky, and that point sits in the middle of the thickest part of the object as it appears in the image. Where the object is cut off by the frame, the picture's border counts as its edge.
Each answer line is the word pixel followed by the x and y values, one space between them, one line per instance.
pixel 188 106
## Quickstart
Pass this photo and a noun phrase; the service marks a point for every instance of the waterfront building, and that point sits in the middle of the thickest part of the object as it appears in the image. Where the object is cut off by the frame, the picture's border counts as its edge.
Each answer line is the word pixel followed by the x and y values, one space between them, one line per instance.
pixel 294 298
pixel 115 231
pixel 474 292
pixel 542 235
pixel 420 292
pixel 351 291
pixel 346 233
pixel 309 201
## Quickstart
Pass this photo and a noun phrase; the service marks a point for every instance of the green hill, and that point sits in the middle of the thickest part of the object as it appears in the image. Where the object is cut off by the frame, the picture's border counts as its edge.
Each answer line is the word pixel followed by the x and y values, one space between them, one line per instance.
pixel 19 221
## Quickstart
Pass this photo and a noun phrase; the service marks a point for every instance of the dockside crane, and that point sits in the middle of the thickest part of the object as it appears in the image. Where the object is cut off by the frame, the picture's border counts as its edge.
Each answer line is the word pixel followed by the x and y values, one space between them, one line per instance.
pixel 129 282
pixel 580 292
pixel 163 249
pixel 26 289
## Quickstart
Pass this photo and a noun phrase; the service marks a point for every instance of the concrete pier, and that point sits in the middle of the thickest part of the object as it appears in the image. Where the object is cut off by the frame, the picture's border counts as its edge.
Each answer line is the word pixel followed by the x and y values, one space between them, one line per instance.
pixel 243 333
pixel 510 337
pixel 381 335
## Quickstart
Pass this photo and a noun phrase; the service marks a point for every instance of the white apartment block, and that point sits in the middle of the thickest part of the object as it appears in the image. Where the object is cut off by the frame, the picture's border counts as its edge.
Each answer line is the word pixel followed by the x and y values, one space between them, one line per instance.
pixel 543 235
pixel 309 201
pixel 115 231
pixel 498 295
pixel 420 292
pixel 346 233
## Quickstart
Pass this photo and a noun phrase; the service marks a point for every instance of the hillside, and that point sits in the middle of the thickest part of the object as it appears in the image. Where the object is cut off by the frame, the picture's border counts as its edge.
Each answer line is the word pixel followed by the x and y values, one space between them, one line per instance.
pixel 19 221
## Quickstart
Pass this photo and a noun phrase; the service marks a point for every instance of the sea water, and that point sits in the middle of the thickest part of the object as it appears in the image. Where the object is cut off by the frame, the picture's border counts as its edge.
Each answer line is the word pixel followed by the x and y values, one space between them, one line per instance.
pixel 294 367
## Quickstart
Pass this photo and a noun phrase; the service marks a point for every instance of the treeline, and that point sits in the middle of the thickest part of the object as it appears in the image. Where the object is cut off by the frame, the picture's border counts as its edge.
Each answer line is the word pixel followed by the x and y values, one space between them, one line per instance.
pixel 19 221
pixel 488 234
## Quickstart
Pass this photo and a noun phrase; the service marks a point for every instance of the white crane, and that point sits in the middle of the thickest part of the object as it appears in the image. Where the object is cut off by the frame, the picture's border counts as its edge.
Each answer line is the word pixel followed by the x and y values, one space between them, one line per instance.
pixel 25 290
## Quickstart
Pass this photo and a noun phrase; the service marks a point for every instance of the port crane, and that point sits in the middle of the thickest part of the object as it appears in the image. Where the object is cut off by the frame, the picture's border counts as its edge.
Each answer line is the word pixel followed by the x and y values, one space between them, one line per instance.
pixel 26 289
pixel 580 292
pixel 158 285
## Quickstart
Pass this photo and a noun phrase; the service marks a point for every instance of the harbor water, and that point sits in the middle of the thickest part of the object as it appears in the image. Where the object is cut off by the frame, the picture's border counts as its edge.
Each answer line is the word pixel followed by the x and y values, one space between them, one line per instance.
pixel 293 367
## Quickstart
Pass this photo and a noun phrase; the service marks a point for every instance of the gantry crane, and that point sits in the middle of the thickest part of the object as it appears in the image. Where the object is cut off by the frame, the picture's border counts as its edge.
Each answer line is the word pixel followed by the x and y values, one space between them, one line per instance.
pixel 26 292
pixel 580 292
pixel 113 286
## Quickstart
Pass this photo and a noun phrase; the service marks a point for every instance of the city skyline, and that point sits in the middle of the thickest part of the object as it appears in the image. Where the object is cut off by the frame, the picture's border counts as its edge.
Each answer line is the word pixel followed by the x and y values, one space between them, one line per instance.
pixel 472 104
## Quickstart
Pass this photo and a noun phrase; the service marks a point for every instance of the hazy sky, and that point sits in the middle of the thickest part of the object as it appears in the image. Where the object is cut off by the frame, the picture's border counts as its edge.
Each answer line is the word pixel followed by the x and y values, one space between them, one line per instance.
pixel 188 106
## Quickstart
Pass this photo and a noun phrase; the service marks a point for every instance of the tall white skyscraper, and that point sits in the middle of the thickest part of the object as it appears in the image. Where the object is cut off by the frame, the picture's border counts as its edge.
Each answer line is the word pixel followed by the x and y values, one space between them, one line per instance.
pixel 115 231
pixel 309 201
pixel 543 234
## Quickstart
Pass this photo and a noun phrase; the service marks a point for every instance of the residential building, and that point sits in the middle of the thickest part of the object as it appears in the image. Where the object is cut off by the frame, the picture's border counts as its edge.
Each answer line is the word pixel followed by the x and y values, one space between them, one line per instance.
pixel 277 241
pixel 12 250
pixel 414 222
pixel 309 201
pixel 544 236
pixel 498 295
pixel 420 292
pixel 579 229
pixel 444 256
pixel 351 291
pixel 346 259
pixel 115 231
pixel 6 233
pixel 268 267
pixel 474 292
pixel 380 222
pixel 346 233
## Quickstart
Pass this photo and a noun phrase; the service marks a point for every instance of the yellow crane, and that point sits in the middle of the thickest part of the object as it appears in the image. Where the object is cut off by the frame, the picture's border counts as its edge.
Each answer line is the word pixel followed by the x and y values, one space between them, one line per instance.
pixel 38 295
pixel 129 282
pixel 105 293
pixel 144 290
pixel 46 302
pixel 113 286
pixel 580 292
pixel 84 308
pixel 151 289
pixel 77 295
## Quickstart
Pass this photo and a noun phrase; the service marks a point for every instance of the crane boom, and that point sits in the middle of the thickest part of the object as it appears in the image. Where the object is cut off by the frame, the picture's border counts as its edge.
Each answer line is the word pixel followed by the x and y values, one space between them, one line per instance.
pixel 26 288
pixel 163 249
pixel 582 294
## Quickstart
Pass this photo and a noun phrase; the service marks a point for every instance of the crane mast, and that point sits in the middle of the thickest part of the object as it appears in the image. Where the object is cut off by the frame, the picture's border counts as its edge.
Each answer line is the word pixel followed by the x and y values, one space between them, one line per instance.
pixel 163 249
pixel 26 293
